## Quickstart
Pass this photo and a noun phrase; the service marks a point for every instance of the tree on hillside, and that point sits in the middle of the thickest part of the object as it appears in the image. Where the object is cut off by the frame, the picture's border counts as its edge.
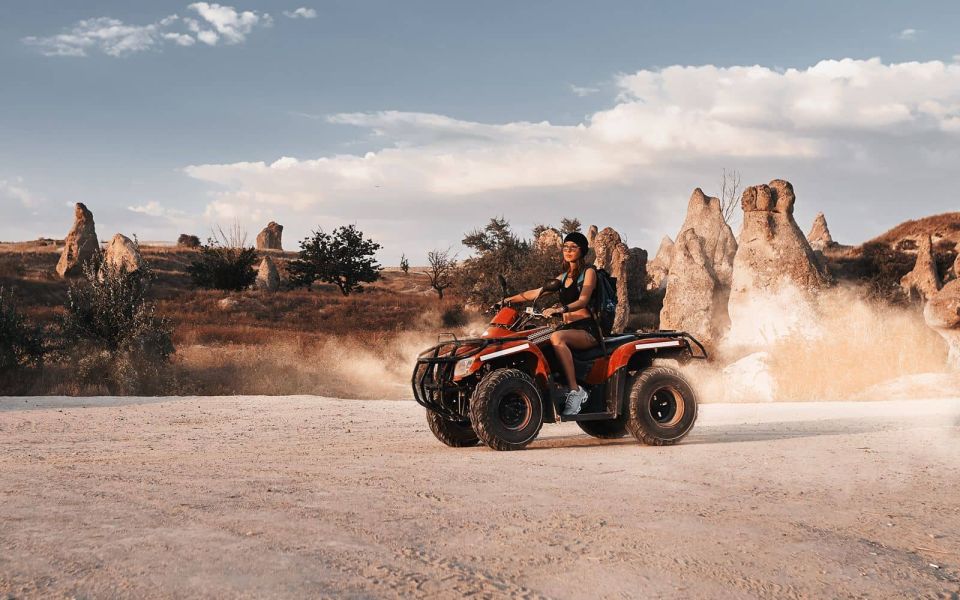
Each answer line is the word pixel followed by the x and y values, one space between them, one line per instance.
pixel 344 258
pixel 729 195
pixel 441 270
pixel 404 264
pixel 568 225
pixel 498 251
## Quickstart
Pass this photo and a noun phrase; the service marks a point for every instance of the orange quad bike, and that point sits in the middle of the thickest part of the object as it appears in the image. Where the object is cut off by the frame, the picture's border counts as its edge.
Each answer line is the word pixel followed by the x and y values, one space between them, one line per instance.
pixel 500 388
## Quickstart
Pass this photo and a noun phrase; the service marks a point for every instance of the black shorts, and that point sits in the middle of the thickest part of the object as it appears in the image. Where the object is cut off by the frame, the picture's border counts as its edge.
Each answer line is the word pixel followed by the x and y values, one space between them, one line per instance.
pixel 586 324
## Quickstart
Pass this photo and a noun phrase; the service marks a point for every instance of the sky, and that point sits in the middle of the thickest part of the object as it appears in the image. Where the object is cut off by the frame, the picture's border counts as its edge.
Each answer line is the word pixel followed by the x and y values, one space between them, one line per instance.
pixel 419 121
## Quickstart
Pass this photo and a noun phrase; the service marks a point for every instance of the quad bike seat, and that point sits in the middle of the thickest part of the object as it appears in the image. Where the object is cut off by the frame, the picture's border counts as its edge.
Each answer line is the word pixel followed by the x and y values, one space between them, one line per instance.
pixel 611 343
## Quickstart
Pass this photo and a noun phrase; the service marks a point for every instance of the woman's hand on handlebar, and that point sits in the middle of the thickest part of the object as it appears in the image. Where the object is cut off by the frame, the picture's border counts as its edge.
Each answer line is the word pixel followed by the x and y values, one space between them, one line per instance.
pixel 553 311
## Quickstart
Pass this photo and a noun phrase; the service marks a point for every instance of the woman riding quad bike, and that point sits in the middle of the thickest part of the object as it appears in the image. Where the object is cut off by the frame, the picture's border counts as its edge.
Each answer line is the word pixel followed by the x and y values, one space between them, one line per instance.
pixel 500 388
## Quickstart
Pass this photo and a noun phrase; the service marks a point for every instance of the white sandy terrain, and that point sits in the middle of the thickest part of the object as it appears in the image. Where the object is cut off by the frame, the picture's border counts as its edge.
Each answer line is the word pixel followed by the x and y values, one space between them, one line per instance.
pixel 264 497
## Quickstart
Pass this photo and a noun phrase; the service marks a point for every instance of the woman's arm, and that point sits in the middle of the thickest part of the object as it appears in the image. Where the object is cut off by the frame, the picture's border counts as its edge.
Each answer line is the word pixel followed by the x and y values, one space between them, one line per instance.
pixel 522 296
pixel 589 282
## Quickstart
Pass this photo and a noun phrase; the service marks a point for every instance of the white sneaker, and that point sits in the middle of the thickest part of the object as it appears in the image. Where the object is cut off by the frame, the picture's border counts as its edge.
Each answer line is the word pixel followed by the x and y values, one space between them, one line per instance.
pixel 574 401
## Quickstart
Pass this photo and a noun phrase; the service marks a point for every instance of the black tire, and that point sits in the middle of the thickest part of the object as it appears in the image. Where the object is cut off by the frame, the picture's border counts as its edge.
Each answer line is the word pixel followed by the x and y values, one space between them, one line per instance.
pixel 506 410
pixel 662 406
pixel 452 433
pixel 606 430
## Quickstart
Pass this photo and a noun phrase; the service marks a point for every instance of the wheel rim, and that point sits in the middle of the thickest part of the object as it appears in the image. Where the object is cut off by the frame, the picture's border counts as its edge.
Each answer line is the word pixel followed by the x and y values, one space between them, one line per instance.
pixel 666 406
pixel 515 411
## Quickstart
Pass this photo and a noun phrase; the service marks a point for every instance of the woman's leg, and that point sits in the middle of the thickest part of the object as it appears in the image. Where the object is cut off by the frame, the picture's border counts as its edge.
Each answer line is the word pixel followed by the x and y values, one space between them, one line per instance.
pixel 563 341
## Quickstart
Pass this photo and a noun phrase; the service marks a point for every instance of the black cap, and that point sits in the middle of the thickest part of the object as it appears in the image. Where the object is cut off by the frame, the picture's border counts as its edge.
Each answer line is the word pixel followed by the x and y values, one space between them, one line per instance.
pixel 579 239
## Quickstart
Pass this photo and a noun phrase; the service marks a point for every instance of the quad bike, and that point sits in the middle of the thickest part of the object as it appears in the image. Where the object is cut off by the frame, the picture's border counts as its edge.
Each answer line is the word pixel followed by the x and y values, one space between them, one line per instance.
pixel 500 388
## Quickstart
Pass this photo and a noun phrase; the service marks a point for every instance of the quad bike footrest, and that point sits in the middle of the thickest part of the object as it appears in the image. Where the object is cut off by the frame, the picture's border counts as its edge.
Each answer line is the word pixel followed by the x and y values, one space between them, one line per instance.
pixel 595 416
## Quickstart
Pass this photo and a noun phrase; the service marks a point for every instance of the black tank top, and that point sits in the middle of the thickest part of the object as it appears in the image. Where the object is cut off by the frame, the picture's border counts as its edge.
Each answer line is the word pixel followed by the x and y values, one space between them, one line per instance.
pixel 571 293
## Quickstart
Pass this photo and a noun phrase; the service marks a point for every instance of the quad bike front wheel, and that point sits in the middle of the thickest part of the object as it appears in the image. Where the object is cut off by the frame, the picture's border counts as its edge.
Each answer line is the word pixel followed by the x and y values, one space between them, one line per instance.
pixel 662 406
pixel 452 433
pixel 506 410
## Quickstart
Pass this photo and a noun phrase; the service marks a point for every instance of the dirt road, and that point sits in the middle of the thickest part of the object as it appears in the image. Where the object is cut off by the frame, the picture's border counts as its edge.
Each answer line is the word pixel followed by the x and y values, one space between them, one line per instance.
pixel 311 497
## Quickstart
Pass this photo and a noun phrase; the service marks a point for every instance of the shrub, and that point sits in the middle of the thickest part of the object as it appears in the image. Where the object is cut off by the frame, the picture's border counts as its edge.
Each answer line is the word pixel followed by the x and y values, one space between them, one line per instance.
pixel 21 344
pixel 224 263
pixel 344 258
pixel 111 334
pixel 453 316
pixel 404 264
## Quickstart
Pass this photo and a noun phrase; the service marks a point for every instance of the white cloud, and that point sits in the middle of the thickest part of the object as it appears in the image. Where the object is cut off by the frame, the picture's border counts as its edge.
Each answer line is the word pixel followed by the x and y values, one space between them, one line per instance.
pixel 667 125
pixel 583 91
pixel 908 35
pixel 230 25
pixel 301 13
pixel 15 191
pixel 155 209
pixel 115 38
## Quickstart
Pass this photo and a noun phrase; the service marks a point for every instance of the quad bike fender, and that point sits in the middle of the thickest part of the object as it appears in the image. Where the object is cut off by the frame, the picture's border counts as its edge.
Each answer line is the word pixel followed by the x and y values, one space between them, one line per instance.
pixel 644 351
pixel 521 354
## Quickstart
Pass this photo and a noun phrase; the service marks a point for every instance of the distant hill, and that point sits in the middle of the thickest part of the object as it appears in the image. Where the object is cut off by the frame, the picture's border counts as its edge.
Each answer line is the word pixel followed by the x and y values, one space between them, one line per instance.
pixel 904 236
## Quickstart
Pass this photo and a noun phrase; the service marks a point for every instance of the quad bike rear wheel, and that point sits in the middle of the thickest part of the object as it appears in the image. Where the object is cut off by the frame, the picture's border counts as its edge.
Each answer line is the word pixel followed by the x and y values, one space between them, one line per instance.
pixel 452 433
pixel 662 406
pixel 506 410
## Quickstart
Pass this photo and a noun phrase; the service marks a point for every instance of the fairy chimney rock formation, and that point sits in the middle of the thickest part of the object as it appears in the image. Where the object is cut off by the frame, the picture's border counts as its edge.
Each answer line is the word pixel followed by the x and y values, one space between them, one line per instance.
pixel 123 255
pixel 659 267
pixel 612 255
pixel 690 303
pixel 603 245
pixel 549 240
pixel 942 314
pixel 591 234
pixel 80 244
pixel 773 250
pixel 923 281
pixel 705 217
pixel 819 236
pixel 636 274
pixel 268 278
pixel 269 238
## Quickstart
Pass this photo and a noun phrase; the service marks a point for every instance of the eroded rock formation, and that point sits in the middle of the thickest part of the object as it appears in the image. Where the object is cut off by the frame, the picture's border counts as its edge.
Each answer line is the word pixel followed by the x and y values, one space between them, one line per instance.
pixel 691 301
pixel 122 254
pixel 942 314
pixel 923 281
pixel 659 267
pixel 705 216
pixel 268 278
pixel 612 255
pixel 591 234
pixel 819 236
pixel 549 240
pixel 636 274
pixel 270 237
pixel 80 244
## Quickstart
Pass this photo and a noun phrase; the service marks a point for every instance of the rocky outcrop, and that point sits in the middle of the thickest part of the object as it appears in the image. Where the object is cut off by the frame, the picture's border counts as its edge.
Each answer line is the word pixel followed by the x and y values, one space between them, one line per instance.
pixel 819 236
pixel 923 281
pixel 636 274
pixel 942 314
pixel 123 255
pixel 188 241
pixel 268 278
pixel 269 238
pixel 80 245
pixel 612 255
pixel 774 260
pixel 705 217
pixel 691 301
pixel 591 234
pixel 549 240
pixel 659 267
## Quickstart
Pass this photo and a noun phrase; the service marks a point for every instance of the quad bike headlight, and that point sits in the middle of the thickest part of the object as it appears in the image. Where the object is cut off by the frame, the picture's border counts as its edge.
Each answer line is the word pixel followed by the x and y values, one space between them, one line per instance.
pixel 463 366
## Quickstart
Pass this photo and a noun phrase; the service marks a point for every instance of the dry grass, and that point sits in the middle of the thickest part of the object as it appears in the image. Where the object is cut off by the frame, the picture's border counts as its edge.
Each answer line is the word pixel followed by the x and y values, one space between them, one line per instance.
pixel 289 342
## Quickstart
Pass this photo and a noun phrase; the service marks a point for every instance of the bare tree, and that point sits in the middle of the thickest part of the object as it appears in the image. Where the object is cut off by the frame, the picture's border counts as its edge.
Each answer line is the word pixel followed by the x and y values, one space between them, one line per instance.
pixel 442 266
pixel 729 195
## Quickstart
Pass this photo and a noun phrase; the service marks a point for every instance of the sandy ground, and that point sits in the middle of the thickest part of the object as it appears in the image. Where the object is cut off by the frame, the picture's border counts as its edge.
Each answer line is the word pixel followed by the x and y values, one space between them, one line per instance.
pixel 312 497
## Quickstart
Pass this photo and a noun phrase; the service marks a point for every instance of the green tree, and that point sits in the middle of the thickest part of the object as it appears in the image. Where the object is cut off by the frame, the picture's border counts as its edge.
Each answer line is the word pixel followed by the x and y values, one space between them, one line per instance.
pixel 568 225
pixel 344 259
pixel 21 344
pixel 404 264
